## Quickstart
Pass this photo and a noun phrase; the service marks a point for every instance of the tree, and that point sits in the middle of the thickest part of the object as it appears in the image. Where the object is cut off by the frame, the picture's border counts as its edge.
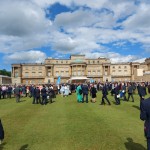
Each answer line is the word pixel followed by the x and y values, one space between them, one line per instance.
pixel 5 72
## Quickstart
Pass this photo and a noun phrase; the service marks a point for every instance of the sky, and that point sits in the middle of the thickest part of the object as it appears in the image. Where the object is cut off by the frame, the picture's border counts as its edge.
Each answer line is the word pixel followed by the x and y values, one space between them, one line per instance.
pixel 32 30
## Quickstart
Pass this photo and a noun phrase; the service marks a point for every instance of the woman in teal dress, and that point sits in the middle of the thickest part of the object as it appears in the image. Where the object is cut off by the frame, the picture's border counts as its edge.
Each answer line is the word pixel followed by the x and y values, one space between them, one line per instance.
pixel 79 93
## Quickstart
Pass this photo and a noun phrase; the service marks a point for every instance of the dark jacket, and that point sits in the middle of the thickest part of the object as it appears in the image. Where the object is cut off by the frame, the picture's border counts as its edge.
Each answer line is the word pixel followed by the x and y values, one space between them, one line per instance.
pixel 116 90
pixel 43 92
pixel 93 92
pixel 37 92
pixel 130 89
pixel 85 89
pixel 1 131
pixel 104 91
pixel 51 92
pixel 142 91
pixel 145 115
pixel 33 91
pixel 9 90
pixel 17 91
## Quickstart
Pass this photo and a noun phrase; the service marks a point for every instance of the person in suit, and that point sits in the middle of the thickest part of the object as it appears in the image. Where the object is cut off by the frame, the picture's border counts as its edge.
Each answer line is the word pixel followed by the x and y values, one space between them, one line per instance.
pixel 116 92
pixel 9 91
pixel 44 95
pixel 85 91
pixel 104 95
pixel 50 94
pixel 37 95
pixel 34 94
pixel 130 92
pixel 1 132
pixel 124 91
pixel 17 93
pixel 142 91
pixel 145 116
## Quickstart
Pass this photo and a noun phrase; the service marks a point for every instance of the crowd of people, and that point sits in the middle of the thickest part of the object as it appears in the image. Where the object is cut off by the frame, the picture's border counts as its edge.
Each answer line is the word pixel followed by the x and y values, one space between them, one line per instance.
pixel 120 90
pixel 42 94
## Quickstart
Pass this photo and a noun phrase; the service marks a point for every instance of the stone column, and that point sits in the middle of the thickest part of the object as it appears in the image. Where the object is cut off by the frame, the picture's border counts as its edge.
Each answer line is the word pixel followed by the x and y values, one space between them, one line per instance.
pixel 108 70
pixel 13 72
pixel 46 72
pixel 20 72
pixel 70 71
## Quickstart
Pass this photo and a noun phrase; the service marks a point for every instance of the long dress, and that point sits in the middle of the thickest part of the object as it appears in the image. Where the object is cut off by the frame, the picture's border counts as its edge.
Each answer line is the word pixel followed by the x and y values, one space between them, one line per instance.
pixel 79 96
pixel 66 91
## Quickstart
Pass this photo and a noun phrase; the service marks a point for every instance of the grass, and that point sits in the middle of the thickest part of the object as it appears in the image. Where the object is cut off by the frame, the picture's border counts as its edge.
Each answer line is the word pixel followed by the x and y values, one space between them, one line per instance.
pixel 68 125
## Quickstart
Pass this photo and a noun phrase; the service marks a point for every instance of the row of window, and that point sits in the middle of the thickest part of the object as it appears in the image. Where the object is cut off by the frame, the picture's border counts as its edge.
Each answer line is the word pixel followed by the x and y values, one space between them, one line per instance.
pixel 57 73
pixel 33 81
pixel 62 73
pixel 33 74
pixel 89 62
pixel 33 67
pixel 119 70
pixel 119 67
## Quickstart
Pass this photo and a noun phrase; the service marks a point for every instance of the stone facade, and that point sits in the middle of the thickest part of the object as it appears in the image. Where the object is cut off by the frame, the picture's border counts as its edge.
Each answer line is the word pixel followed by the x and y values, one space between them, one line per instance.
pixel 5 80
pixel 99 69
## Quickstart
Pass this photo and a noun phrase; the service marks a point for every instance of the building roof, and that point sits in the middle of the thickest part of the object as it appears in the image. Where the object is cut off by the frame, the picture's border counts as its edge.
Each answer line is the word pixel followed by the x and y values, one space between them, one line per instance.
pixel 5 76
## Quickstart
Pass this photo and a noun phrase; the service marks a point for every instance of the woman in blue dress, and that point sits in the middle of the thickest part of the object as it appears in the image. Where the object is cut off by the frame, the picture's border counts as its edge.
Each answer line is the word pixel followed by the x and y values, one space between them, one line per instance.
pixel 79 93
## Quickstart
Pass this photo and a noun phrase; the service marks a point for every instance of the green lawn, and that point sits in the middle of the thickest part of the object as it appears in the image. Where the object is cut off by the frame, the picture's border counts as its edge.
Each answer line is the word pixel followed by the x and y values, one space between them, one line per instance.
pixel 68 125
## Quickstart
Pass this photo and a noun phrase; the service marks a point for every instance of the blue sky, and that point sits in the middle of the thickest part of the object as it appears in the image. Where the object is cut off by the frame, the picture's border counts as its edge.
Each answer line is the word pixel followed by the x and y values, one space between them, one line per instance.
pixel 33 30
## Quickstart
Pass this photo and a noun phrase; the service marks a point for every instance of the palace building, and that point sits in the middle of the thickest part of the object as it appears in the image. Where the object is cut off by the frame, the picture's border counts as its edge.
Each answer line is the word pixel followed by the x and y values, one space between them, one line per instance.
pixel 98 69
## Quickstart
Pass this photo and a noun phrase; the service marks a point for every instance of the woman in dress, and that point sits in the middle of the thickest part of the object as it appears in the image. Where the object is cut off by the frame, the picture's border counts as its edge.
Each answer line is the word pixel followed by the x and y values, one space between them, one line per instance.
pixel 93 93
pixel 79 93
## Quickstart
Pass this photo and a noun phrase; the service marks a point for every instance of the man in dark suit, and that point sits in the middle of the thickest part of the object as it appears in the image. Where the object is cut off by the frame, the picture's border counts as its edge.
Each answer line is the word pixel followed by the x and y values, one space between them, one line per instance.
pixel 130 92
pixel 145 116
pixel 116 92
pixel 9 91
pixel 44 95
pixel 1 132
pixel 37 95
pixel 142 91
pixel 104 96
pixel 85 91
pixel 124 91
pixel 17 93
pixel 33 91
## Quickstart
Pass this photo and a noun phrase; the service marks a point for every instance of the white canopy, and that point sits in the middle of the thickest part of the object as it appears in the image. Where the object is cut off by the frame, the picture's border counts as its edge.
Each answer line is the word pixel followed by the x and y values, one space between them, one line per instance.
pixel 79 78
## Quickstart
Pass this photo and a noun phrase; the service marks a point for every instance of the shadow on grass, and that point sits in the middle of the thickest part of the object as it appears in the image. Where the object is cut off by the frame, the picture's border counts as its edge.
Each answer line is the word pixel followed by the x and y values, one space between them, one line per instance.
pixel 2 146
pixel 137 107
pixel 131 145
pixel 24 147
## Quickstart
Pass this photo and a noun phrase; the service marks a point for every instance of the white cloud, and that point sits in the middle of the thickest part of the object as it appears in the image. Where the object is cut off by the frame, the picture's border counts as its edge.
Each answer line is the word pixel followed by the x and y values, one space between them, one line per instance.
pixel 84 18
pixel 23 26
pixel 33 56
pixel 22 18
pixel 139 22
pixel 113 56
pixel 140 60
